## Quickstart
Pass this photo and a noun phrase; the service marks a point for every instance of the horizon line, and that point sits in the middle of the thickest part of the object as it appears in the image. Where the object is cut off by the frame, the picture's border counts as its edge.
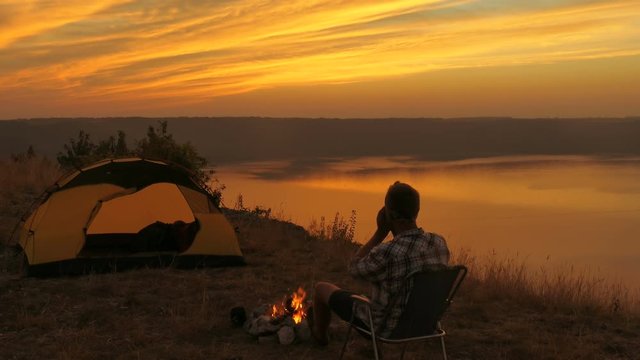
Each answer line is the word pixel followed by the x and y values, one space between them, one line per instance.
pixel 628 117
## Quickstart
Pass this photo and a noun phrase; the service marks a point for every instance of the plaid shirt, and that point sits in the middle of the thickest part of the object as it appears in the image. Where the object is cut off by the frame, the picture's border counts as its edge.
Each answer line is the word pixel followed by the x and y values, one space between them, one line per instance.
pixel 386 267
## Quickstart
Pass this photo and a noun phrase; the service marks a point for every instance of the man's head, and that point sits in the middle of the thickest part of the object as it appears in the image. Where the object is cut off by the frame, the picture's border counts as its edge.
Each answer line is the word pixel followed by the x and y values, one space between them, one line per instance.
pixel 402 202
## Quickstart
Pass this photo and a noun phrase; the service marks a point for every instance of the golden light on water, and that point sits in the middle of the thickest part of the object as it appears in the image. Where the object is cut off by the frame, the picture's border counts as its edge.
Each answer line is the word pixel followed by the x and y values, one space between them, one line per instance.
pixel 567 208
pixel 553 182
pixel 561 183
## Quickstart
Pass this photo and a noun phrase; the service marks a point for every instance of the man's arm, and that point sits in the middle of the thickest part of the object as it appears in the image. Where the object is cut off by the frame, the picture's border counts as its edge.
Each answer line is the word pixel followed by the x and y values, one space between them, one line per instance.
pixel 367 264
pixel 377 238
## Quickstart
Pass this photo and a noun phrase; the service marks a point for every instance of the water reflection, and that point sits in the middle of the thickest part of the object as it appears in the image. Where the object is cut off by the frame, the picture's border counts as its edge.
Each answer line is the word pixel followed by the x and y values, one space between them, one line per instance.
pixel 585 211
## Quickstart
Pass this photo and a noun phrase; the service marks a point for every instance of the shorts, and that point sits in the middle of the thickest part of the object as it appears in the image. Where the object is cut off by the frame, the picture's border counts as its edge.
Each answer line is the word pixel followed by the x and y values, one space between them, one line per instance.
pixel 341 303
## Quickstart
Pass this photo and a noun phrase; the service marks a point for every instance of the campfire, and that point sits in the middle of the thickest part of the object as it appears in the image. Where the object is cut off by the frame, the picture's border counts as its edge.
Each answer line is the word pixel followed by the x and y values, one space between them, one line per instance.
pixel 292 305
pixel 284 322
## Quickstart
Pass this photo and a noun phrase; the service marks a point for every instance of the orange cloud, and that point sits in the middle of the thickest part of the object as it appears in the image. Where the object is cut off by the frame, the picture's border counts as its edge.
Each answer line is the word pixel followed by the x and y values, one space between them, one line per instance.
pixel 118 51
pixel 20 19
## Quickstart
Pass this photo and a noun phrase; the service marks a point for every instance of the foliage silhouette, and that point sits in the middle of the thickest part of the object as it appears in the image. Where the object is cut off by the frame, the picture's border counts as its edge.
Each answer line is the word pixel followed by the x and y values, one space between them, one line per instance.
pixel 158 144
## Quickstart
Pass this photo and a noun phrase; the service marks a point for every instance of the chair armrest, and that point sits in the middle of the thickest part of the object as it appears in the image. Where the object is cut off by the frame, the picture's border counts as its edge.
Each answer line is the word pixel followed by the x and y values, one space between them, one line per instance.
pixel 361 299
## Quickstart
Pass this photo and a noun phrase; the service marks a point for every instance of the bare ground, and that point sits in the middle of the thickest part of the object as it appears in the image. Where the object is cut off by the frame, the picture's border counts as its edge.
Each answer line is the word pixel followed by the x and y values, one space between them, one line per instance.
pixel 184 314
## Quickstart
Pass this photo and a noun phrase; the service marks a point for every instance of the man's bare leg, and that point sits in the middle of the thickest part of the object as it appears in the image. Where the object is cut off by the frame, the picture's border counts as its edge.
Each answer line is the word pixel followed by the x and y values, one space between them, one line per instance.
pixel 322 311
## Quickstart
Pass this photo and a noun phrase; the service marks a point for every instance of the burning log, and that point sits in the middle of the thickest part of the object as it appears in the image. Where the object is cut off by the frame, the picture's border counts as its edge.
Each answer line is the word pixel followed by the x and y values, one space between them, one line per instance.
pixel 284 321
pixel 293 306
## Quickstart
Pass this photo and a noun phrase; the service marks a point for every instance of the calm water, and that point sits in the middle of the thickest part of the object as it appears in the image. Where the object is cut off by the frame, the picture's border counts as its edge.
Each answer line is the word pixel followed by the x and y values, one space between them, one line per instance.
pixel 554 210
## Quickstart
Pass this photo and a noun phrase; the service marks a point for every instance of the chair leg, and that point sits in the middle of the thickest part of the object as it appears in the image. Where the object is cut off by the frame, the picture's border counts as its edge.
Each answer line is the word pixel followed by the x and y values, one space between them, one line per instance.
pixel 376 353
pixel 373 335
pixel 444 349
pixel 346 341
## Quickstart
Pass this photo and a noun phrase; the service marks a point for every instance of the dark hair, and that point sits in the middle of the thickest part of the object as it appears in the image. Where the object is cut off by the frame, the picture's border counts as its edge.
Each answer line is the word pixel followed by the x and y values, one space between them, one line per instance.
pixel 402 201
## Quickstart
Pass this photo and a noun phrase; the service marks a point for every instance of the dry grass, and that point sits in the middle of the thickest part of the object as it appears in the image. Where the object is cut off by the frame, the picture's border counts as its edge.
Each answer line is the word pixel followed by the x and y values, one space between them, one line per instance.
pixel 339 230
pixel 556 287
pixel 21 182
pixel 503 311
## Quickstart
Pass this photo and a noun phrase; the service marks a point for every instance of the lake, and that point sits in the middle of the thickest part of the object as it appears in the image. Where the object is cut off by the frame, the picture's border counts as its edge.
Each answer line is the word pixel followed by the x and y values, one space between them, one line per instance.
pixel 552 210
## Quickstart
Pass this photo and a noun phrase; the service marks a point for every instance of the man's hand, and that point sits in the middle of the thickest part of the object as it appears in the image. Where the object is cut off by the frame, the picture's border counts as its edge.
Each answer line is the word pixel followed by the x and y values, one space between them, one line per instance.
pixel 378 236
pixel 383 224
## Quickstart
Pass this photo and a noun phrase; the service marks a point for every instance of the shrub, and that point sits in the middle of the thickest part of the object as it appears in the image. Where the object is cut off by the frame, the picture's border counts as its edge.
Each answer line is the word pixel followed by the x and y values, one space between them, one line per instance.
pixel 158 144
pixel 340 230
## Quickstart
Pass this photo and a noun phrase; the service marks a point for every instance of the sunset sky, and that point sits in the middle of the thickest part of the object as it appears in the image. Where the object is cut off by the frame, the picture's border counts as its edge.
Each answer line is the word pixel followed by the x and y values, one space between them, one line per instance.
pixel 339 58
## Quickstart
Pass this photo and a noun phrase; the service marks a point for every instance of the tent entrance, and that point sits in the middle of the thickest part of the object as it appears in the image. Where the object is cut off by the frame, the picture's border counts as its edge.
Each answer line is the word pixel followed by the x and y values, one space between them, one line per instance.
pixel 152 220
pixel 157 238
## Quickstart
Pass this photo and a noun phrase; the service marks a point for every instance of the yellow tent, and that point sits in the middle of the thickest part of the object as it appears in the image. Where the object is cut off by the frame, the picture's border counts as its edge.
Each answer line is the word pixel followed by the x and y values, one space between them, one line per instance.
pixel 122 210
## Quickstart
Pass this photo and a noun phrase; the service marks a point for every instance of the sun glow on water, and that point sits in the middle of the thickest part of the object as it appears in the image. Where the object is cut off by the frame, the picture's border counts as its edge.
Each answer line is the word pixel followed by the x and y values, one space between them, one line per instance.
pixel 570 209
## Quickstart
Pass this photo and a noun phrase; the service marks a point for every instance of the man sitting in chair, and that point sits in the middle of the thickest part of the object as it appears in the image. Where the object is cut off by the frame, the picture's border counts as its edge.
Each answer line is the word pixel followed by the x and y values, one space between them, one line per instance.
pixel 384 265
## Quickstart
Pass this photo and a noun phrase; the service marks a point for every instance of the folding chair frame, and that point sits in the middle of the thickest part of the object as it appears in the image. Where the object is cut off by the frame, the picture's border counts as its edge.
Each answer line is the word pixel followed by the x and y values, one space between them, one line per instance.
pixel 438 332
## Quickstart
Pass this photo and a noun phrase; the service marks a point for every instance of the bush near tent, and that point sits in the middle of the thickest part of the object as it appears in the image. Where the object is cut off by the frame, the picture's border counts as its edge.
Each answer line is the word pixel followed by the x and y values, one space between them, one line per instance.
pixel 105 215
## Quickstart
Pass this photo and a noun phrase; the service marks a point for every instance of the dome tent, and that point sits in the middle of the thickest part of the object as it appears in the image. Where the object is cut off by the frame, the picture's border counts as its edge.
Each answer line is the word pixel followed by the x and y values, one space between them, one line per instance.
pixel 114 213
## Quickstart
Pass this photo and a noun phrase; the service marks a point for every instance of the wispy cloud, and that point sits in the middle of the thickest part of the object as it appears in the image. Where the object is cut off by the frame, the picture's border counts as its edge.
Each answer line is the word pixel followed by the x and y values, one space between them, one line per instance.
pixel 20 19
pixel 183 51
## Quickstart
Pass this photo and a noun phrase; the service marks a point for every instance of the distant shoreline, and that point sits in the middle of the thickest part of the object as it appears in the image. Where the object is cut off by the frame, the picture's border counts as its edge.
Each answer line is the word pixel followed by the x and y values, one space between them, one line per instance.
pixel 224 140
pixel 474 118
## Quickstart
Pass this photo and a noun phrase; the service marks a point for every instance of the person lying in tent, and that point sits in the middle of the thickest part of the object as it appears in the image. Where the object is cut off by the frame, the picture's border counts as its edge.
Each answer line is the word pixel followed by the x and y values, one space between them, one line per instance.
pixel 160 236
pixel 384 265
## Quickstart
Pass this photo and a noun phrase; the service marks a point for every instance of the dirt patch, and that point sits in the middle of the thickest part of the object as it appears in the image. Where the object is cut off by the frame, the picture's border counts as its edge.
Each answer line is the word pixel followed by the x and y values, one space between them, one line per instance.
pixel 169 313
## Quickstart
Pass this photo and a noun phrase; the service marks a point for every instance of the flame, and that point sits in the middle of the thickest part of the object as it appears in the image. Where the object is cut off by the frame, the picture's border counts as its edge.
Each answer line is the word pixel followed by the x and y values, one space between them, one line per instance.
pixel 293 305
pixel 297 304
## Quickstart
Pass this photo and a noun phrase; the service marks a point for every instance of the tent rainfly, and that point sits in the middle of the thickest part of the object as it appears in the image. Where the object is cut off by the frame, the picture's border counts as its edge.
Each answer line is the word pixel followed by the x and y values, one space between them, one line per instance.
pixel 123 211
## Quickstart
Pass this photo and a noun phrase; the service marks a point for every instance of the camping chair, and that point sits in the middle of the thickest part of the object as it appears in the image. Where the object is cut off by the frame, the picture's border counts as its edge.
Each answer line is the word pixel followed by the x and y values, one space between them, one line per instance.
pixel 432 292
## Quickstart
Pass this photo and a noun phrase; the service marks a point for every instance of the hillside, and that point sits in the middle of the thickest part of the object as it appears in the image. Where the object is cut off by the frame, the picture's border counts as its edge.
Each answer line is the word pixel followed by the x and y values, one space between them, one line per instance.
pixel 500 313
pixel 179 314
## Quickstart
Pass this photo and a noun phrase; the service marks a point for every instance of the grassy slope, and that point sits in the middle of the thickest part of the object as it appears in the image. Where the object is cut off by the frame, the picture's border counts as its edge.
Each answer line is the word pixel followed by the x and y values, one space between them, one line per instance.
pixel 179 314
